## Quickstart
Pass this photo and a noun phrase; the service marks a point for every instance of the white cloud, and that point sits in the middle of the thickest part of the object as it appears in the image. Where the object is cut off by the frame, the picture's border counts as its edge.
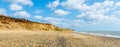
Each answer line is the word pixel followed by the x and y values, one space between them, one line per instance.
pixel 81 15
pixel 22 2
pixel 52 20
pixel 81 6
pixel 73 4
pixel 118 4
pixel 99 18
pixel 53 4
pixel 15 7
pixel 2 11
pixel 38 11
pixel 57 21
pixel 106 12
pixel 38 17
pixel 22 14
pixel 62 22
pixel 60 12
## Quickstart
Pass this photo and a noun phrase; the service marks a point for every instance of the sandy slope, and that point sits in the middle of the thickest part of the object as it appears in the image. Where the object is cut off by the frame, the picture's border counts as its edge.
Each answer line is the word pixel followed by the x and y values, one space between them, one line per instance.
pixel 54 39
pixel 11 23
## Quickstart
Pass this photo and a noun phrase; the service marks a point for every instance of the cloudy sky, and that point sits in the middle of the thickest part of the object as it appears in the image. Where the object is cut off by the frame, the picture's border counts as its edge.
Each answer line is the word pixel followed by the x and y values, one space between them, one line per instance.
pixel 80 15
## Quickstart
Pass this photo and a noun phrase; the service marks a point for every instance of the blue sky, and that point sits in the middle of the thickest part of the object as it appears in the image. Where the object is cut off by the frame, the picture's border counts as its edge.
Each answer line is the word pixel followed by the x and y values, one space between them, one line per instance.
pixel 80 15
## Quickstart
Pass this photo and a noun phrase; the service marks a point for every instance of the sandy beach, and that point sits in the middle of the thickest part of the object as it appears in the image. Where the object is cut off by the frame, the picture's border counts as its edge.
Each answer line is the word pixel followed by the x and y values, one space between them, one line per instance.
pixel 54 39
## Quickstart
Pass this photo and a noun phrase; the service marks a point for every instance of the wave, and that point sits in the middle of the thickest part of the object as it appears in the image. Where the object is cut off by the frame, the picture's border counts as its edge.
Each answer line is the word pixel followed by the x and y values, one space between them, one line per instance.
pixel 106 35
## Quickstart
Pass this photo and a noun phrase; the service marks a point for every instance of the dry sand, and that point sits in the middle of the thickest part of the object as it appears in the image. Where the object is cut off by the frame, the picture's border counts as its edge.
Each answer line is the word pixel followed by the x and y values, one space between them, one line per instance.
pixel 54 39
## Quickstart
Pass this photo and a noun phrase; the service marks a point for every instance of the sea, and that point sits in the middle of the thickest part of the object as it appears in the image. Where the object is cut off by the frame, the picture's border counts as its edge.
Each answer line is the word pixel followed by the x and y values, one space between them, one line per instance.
pixel 115 34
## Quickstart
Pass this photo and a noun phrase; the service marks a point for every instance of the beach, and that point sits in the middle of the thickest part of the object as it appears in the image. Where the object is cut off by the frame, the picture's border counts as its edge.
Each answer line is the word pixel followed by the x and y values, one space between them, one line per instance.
pixel 9 38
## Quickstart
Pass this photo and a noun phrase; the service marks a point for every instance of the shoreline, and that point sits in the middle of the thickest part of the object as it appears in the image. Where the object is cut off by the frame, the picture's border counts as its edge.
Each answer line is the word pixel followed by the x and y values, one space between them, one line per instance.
pixel 97 34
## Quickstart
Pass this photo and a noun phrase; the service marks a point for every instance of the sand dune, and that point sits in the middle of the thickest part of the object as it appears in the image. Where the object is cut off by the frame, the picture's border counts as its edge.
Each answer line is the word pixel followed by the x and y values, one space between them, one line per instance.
pixel 10 23
pixel 54 39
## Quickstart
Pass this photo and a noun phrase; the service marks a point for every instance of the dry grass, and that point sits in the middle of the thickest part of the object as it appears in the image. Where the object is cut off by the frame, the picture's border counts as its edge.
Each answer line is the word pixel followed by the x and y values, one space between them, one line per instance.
pixel 54 39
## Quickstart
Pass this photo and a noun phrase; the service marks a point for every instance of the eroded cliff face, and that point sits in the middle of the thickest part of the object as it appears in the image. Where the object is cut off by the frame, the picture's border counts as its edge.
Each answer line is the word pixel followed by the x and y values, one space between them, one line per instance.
pixel 22 24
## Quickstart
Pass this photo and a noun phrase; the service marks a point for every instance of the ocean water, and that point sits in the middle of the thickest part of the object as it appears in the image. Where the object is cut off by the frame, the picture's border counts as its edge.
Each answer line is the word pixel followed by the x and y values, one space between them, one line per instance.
pixel 104 33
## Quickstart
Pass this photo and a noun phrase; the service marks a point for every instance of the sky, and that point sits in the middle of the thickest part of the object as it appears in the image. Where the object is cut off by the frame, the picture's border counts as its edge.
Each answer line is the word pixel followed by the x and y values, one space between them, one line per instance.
pixel 79 15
